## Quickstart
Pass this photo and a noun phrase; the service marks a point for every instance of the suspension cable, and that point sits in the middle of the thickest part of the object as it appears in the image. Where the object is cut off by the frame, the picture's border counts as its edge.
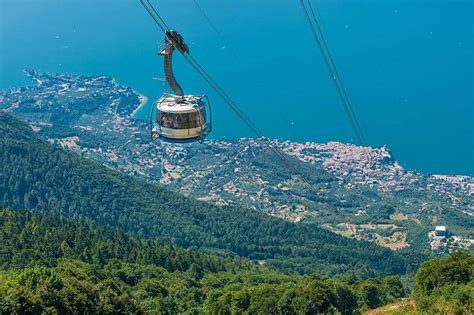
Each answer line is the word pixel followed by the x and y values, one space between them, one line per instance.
pixel 238 111
pixel 212 25
pixel 322 44
pixel 156 17
pixel 202 72
pixel 336 78
pixel 344 93
pixel 333 72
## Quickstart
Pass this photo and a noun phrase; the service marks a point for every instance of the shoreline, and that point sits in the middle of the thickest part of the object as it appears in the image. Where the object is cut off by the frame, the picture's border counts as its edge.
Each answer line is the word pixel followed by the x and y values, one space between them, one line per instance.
pixel 431 168
pixel 143 101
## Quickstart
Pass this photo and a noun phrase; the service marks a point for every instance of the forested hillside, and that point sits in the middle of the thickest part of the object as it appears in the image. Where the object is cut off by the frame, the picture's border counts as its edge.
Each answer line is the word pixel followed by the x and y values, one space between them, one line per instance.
pixel 31 238
pixel 446 285
pixel 357 192
pixel 37 176
pixel 51 265
pixel 443 286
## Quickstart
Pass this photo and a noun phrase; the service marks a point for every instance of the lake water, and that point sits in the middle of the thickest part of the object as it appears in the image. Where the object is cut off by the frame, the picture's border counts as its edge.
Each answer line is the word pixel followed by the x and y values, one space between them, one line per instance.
pixel 407 65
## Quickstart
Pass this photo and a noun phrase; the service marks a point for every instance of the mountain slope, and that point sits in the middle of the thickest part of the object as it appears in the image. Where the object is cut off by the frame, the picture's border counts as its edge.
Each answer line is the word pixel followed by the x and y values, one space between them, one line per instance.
pixel 49 265
pixel 28 238
pixel 37 176
pixel 52 265
pixel 341 189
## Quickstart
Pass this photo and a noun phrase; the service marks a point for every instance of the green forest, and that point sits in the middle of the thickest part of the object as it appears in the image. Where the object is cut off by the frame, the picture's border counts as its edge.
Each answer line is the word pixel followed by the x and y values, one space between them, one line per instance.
pixel 37 176
pixel 446 285
pixel 57 266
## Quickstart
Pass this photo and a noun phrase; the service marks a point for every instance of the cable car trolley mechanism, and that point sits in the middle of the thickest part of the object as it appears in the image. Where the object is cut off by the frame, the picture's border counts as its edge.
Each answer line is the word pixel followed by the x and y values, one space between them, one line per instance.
pixel 178 117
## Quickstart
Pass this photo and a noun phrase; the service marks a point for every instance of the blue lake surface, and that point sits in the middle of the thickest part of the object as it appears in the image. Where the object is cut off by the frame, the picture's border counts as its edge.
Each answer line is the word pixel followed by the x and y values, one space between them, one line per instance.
pixel 407 65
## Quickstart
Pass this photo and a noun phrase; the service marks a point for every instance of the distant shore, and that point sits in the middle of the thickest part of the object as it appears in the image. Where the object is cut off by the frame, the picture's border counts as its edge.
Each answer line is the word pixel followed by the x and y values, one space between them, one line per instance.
pixel 143 101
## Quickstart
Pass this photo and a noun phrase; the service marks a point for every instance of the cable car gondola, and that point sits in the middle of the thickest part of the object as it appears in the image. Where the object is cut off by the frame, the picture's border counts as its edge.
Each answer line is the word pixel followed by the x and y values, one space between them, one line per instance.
pixel 179 117
pixel 182 118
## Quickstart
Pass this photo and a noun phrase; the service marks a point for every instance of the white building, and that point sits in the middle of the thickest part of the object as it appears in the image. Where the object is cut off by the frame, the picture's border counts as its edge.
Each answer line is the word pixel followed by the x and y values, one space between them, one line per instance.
pixel 440 231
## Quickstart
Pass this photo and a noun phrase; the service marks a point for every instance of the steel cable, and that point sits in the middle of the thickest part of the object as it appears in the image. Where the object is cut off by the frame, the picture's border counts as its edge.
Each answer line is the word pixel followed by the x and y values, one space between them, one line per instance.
pixel 334 74
pixel 203 73
pixel 343 90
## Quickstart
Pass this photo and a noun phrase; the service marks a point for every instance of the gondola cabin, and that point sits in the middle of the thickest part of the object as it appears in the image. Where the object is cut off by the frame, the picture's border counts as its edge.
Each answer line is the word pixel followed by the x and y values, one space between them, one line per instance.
pixel 182 118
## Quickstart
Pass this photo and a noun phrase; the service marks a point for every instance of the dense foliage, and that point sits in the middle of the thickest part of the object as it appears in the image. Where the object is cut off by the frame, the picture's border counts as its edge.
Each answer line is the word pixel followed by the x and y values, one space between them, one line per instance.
pixel 443 286
pixel 28 239
pixel 106 272
pixel 35 175
pixel 446 285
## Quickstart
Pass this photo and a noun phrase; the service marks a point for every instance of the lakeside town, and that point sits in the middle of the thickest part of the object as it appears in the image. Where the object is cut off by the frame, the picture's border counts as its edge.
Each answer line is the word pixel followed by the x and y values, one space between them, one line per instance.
pixel 341 186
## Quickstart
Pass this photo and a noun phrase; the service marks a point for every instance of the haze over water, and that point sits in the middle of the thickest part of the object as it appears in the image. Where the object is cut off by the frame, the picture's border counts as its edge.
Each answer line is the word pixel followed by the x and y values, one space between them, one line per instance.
pixel 407 65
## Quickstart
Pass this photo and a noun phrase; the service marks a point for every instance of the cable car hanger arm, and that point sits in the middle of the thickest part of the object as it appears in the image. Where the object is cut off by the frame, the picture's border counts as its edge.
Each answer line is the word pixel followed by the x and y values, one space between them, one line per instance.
pixel 167 53
pixel 173 40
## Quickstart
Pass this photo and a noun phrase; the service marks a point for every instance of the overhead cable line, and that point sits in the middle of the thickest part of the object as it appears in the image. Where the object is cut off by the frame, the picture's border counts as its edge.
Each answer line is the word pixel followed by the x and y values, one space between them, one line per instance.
pixel 203 73
pixel 336 78
pixel 332 69
pixel 156 17
pixel 343 90
pixel 238 111
pixel 211 24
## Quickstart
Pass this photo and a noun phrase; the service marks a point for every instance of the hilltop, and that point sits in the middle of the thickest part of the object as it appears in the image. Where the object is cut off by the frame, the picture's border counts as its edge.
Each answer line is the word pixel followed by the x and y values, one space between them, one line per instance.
pixel 341 189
